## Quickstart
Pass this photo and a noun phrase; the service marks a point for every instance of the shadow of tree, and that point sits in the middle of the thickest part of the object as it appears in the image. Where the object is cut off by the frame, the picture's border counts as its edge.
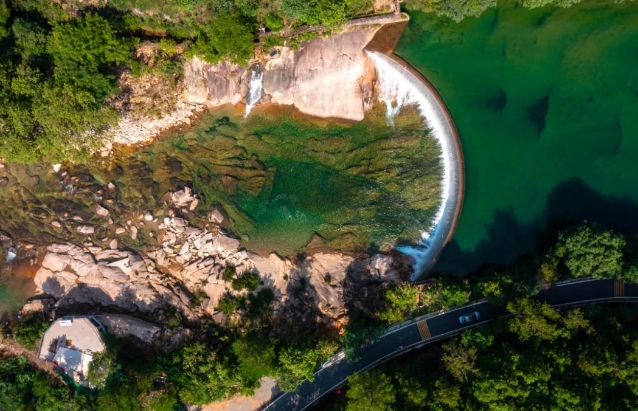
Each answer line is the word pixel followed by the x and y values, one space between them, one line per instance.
pixel 52 287
pixel 571 201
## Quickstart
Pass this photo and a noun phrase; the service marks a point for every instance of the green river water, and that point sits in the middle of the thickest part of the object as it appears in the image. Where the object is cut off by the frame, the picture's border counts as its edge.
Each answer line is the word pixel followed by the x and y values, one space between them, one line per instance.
pixel 546 104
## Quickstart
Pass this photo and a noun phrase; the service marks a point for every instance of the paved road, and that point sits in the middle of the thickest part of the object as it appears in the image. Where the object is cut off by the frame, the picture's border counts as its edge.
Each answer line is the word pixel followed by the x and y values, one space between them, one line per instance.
pixel 426 329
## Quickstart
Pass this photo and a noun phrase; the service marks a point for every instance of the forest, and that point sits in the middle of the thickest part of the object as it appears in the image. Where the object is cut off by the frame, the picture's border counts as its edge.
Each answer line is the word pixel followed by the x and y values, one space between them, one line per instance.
pixel 541 359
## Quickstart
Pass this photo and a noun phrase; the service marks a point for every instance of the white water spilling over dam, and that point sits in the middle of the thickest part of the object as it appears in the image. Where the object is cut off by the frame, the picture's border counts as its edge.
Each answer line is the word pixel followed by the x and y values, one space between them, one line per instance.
pixel 398 87
pixel 255 90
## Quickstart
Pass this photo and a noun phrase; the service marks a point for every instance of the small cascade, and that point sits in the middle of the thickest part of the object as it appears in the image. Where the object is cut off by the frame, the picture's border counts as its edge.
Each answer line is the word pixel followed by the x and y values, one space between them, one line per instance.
pixel 255 89
pixel 398 87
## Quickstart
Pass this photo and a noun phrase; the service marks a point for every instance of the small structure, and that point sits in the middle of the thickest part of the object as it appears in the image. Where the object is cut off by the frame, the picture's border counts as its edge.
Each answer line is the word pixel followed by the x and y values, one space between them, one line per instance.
pixel 70 344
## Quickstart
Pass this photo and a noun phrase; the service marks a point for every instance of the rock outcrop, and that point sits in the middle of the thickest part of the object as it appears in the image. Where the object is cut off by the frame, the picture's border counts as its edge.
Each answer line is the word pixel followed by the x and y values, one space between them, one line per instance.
pixel 214 84
pixel 325 77
pixel 105 278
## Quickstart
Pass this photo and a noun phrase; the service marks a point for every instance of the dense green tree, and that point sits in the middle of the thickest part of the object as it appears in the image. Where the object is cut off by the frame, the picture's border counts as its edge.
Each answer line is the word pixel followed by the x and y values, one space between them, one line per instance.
pixel 401 302
pixel 256 356
pixel 298 362
pixel 372 390
pixel 459 360
pixel 81 48
pixel 532 4
pixel 225 38
pixel 590 251
pixel 100 368
pixel 448 292
pixel 533 319
pixel 5 13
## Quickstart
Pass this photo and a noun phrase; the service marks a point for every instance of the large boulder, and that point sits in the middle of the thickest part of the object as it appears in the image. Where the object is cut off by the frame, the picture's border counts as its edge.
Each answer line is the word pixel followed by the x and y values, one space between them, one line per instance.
pixel 329 73
pixel 214 84
pixel 279 77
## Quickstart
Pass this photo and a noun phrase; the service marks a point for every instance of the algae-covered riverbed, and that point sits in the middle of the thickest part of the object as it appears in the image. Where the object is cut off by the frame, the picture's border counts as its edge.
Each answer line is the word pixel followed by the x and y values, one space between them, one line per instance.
pixel 546 104
pixel 282 177
pixel 285 182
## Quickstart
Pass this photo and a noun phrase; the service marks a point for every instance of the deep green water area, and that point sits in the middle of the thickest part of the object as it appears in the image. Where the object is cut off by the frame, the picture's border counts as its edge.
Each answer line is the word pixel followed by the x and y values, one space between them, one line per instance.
pixel 546 104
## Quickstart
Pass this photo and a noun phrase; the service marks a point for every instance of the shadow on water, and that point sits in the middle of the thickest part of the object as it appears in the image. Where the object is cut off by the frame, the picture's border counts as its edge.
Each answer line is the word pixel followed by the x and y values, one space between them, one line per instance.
pixel 571 201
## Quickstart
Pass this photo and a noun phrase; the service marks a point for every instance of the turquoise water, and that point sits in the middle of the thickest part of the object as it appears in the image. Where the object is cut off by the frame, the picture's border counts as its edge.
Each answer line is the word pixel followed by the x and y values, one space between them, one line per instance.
pixel 546 103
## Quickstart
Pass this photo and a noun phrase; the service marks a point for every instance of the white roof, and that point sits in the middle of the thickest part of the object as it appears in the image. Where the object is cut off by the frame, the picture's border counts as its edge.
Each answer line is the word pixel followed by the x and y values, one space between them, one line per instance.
pixel 72 360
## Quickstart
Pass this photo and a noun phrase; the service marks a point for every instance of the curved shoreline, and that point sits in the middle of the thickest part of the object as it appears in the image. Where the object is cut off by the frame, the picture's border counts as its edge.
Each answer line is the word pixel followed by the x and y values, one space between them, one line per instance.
pixel 428 251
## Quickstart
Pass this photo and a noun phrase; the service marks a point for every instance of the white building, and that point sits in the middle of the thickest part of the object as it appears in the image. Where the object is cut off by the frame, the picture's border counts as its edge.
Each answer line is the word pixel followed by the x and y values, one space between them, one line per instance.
pixel 70 343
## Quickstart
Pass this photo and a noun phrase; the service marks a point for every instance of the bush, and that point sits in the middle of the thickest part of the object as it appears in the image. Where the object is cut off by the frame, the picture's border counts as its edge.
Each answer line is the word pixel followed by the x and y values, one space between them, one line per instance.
pixel 28 332
pixel 248 281
pixel 229 273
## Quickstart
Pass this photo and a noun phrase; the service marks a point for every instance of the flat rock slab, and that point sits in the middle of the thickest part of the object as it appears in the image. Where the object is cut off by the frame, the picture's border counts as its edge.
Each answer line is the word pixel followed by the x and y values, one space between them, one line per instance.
pixel 124 326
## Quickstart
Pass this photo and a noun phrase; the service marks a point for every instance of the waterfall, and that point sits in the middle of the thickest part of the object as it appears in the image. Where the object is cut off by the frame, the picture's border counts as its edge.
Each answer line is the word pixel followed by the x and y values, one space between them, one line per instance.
pixel 399 87
pixel 255 90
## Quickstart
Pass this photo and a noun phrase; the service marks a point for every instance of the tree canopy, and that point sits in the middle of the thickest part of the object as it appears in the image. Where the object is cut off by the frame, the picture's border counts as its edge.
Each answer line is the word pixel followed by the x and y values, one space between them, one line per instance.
pixel 590 251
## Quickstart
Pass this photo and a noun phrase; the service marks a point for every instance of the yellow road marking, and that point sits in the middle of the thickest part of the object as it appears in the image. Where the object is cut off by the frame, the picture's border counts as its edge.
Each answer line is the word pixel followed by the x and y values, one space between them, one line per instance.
pixel 424 330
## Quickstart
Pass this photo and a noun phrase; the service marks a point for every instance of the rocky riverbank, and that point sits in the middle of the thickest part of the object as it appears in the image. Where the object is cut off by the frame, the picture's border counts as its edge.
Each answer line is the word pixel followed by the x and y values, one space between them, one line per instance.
pixel 185 272
pixel 111 240
pixel 324 77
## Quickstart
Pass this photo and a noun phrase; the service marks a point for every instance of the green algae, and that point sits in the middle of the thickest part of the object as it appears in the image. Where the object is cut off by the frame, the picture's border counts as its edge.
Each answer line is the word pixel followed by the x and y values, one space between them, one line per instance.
pixel 282 178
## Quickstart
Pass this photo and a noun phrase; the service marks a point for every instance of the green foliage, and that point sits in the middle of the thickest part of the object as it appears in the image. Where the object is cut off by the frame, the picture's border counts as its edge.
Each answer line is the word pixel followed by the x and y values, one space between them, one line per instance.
pixel 228 304
pixel 5 13
pixel 25 389
pixel 590 362
pixel 532 4
pixel 100 368
pixel 224 38
pixel 589 251
pixel 202 374
pixel 81 47
pixel 372 390
pixel 247 281
pixel 297 362
pixel 359 333
pixel 401 302
pixel 533 319
pixel 28 332
pixel 459 360
pixel 296 9
pixel 256 356
pixel 457 10
pixel 447 293
pixel 229 273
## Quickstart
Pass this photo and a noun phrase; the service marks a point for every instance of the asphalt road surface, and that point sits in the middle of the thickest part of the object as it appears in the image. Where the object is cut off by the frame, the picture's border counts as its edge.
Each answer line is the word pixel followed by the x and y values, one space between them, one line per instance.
pixel 426 329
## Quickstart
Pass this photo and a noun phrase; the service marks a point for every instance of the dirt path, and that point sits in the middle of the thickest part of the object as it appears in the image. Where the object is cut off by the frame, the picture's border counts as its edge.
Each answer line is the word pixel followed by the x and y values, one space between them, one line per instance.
pixel 10 348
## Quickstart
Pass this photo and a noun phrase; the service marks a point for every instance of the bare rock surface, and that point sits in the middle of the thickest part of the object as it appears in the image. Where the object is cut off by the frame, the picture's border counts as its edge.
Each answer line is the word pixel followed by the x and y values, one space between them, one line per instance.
pixel 325 77
pixel 125 326
pixel 328 75
pixel 213 84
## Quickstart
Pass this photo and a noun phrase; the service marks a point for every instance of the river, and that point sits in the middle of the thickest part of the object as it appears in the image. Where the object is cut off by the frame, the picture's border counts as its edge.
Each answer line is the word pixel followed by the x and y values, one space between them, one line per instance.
pixel 546 104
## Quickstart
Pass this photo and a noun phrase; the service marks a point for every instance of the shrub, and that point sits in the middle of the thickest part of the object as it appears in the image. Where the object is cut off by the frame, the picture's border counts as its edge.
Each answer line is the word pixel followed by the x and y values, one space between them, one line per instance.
pixel 248 281
pixel 30 329
pixel 229 273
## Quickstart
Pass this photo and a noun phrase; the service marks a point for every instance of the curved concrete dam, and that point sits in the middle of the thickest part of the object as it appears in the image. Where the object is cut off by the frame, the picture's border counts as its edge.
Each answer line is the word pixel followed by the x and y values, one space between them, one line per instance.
pixel 400 85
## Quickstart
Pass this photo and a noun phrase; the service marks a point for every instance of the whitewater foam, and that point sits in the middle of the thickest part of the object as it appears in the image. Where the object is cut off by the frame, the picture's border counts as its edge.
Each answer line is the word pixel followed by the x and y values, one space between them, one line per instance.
pixel 255 90
pixel 399 87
